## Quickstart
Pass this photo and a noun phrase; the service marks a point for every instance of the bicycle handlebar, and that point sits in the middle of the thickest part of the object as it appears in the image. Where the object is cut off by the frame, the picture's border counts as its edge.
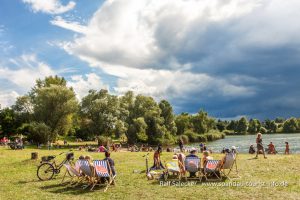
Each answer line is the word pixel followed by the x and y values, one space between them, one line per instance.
pixel 146 155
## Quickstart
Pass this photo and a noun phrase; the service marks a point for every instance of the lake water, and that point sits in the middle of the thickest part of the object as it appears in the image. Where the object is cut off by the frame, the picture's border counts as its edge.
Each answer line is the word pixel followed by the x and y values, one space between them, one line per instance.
pixel 242 142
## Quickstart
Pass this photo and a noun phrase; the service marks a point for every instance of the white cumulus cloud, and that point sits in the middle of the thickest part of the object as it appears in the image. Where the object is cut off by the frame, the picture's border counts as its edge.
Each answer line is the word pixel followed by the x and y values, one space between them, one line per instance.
pixel 83 83
pixel 7 98
pixel 50 6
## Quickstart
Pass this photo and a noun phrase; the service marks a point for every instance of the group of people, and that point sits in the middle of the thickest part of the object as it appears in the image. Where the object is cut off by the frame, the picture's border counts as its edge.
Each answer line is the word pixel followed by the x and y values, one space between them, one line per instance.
pixel 271 147
pixel 181 157
pixel 202 146
pixel 107 157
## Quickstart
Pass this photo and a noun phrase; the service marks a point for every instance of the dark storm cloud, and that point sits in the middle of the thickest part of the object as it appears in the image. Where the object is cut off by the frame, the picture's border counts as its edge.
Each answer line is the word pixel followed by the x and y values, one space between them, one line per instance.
pixel 246 53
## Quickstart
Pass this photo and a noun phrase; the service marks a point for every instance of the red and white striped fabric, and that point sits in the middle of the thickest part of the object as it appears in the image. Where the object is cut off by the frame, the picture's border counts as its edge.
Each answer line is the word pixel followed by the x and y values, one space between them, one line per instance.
pixel 211 165
pixel 101 168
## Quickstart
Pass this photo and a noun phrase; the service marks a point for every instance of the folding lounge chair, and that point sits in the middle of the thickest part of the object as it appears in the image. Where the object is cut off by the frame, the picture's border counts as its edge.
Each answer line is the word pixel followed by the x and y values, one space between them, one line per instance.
pixel 230 161
pixel 87 172
pixel 192 165
pixel 103 174
pixel 73 174
pixel 212 168
pixel 173 167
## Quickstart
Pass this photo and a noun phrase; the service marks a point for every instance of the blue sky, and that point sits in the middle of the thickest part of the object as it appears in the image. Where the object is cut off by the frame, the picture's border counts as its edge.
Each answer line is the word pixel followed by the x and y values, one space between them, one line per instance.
pixel 232 58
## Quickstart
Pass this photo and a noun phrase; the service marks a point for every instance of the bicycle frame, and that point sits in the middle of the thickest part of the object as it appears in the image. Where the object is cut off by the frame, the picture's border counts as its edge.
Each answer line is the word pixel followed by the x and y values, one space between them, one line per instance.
pixel 59 166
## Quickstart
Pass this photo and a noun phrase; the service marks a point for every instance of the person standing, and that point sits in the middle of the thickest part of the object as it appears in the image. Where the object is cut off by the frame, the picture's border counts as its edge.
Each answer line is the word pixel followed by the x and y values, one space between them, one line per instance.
pixel 260 147
pixel 287 148
pixel 180 142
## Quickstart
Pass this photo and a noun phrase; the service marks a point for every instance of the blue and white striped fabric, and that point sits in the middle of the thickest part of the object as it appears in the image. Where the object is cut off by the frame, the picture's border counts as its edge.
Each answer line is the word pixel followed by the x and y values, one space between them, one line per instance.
pixel 211 165
pixel 229 161
pixel 101 168
pixel 192 164
pixel 85 167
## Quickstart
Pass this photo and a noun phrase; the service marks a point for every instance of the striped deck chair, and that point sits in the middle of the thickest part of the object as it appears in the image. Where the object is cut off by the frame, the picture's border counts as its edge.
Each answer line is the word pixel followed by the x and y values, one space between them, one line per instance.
pixel 103 174
pixel 229 162
pixel 211 169
pixel 192 165
pixel 87 172
pixel 73 174
pixel 173 167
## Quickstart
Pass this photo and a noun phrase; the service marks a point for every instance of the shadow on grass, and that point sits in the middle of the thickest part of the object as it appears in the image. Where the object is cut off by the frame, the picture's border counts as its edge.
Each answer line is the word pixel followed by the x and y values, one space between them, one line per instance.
pixel 254 158
pixel 25 182
pixel 68 189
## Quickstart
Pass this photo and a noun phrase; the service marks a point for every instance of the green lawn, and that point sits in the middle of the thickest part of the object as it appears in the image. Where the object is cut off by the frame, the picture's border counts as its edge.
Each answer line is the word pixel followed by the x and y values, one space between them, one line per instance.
pixel 18 179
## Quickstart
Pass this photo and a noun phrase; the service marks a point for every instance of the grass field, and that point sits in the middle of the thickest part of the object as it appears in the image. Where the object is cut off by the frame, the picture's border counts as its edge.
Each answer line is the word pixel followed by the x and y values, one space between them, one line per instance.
pixel 19 181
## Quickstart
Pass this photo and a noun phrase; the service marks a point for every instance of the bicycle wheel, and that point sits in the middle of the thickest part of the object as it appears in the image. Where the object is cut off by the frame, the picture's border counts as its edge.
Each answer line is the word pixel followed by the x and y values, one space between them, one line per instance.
pixel 45 171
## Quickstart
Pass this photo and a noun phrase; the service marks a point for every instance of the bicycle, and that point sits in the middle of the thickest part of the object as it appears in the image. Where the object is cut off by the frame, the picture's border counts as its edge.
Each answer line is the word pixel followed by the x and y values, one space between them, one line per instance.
pixel 48 166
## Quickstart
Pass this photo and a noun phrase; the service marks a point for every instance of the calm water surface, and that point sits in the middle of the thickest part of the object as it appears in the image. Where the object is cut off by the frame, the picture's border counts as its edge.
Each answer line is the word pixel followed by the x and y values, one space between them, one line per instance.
pixel 242 142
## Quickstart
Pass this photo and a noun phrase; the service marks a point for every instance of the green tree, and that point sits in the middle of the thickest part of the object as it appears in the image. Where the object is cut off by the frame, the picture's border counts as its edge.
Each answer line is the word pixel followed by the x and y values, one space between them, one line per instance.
pixel 99 112
pixel 221 125
pixel 290 125
pixel 54 105
pixel 242 126
pixel 140 129
pixel 254 126
pixel 168 115
pixel 232 125
pixel 273 127
pixel 202 123
pixel 39 132
pixel 183 123
pixel 8 121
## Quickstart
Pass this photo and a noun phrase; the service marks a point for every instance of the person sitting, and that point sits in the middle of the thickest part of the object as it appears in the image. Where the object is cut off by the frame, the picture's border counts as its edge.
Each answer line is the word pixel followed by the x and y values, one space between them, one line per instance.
pixel 271 149
pixel 181 160
pixel 206 157
pixel 157 162
pixel 175 160
pixel 201 147
pixel 102 148
pixel 168 149
pixel 111 163
pixel 89 159
pixel 223 150
pixel 251 149
pixel 192 155
pixel 229 156
pixel 233 150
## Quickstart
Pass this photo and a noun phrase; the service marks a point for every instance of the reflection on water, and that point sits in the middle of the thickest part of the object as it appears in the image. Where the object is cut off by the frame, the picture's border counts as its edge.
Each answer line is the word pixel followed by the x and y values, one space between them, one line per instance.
pixel 242 142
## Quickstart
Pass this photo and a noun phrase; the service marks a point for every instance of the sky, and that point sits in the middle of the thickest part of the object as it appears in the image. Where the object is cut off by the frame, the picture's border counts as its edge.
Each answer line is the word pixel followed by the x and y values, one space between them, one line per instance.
pixel 231 58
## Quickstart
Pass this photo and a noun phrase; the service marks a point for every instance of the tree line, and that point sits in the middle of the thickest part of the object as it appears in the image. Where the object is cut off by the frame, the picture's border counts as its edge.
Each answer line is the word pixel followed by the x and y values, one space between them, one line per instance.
pixel 50 109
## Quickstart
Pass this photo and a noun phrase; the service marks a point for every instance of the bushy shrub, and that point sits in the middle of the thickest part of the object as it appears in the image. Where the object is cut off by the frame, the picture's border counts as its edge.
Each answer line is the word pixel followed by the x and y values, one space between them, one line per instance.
pixel 39 133
pixel 263 130
pixel 167 139
pixel 214 136
pixel 103 140
pixel 193 137
pixel 202 138
pixel 185 139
